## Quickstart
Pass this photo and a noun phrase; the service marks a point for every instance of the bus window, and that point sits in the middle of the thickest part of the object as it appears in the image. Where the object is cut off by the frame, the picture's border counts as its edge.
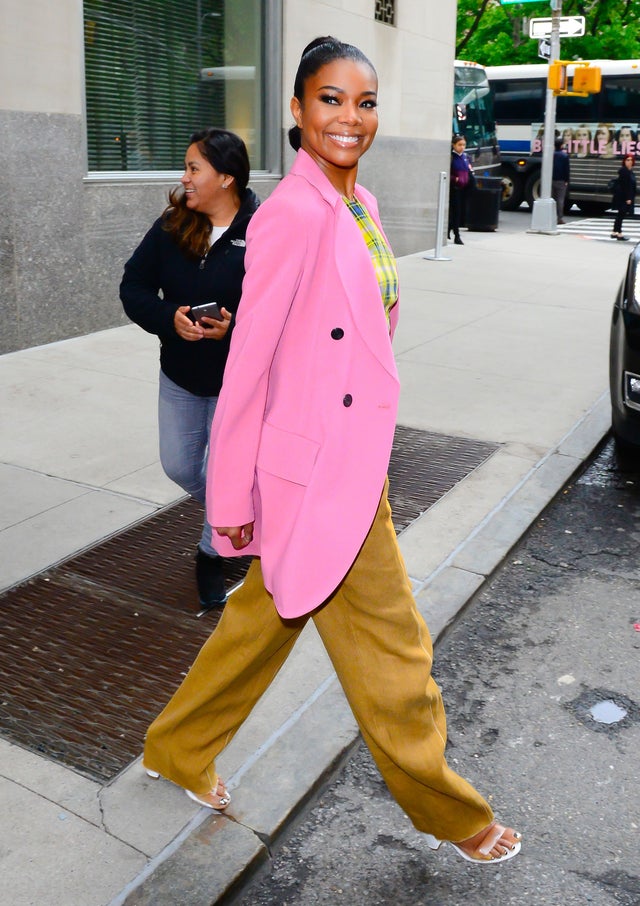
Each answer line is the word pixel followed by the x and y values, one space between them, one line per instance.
pixel 477 122
pixel 621 99
pixel 576 109
pixel 518 101
pixel 473 114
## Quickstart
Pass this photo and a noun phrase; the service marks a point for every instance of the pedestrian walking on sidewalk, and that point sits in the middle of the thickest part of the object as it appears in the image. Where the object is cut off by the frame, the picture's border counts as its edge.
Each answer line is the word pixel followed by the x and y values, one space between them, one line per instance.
pixel 301 442
pixel 194 254
pixel 560 178
pixel 461 183
pixel 624 195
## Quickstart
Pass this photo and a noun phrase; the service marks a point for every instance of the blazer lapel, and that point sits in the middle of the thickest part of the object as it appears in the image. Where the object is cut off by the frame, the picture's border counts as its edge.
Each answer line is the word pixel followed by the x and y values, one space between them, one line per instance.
pixel 354 262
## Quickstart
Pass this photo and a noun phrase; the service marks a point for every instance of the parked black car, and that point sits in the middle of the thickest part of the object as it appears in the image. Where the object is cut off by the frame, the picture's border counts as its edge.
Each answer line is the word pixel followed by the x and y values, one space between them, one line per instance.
pixel 624 359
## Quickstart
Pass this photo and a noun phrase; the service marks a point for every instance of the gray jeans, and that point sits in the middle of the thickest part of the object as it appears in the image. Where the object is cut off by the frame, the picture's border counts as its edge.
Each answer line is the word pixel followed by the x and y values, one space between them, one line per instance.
pixel 559 193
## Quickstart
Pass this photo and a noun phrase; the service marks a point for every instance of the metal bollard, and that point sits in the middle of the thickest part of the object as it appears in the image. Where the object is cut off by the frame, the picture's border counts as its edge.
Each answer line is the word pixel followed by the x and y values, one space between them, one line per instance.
pixel 442 200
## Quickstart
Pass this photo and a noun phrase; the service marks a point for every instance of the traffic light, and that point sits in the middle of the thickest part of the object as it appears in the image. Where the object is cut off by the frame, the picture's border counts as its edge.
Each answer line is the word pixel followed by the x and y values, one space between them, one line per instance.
pixel 587 79
pixel 557 76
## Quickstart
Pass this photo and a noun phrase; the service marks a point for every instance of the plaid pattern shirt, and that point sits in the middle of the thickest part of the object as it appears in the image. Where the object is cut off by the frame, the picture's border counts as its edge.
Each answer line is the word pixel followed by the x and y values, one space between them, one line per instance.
pixel 384 263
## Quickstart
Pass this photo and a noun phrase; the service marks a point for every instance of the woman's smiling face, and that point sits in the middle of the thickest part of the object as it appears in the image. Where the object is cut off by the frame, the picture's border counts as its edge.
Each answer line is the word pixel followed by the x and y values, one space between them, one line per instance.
pixel 338 115
pixel 202 182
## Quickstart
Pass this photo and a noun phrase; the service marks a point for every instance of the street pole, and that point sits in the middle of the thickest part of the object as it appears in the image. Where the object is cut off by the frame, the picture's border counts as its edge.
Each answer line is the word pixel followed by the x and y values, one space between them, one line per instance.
pixel 544 217
pixel 442 201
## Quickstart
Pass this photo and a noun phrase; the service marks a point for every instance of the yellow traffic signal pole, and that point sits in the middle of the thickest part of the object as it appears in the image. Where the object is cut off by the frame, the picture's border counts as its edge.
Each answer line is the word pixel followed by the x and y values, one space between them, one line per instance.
pixel 544 218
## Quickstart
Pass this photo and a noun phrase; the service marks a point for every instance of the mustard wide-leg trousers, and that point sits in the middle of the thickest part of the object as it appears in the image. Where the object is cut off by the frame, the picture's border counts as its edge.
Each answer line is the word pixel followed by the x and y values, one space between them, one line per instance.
pixel 381 651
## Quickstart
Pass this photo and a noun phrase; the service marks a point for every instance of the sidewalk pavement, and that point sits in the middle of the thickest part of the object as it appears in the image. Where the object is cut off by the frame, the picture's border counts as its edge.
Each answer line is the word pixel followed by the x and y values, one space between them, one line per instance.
pixel 507 342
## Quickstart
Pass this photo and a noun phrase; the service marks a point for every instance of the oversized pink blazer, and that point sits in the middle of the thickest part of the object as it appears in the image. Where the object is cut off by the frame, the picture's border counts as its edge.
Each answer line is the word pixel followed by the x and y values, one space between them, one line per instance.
pixel 303 429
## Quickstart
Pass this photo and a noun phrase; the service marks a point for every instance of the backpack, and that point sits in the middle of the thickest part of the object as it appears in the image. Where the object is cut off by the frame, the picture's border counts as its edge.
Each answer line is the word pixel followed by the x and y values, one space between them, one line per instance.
pixel 614 184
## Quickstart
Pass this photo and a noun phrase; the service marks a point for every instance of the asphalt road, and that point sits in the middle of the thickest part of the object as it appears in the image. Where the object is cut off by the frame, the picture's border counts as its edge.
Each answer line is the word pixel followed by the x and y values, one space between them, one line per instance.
pixel 553 635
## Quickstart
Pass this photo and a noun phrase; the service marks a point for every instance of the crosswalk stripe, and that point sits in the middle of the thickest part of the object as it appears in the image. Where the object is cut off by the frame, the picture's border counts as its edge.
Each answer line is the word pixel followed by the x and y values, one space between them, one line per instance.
pixel 601 227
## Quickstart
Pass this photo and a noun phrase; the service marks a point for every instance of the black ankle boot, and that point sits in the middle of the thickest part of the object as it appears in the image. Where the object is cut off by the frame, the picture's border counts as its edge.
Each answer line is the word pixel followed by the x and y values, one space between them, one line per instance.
pixel 210 580
pixel 458 240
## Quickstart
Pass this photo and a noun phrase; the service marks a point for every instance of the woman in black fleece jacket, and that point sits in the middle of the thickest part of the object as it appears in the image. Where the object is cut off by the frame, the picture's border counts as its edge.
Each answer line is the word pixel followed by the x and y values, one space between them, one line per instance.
pixel 624 196
pixel 193 254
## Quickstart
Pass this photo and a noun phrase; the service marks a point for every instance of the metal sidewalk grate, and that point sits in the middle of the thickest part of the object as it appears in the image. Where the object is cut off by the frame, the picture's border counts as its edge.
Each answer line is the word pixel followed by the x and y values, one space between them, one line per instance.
pixel 91 650
pixel 424 466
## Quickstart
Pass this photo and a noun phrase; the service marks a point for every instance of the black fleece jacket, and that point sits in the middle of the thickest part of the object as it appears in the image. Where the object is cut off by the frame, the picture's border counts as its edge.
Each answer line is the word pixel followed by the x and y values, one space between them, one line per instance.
pixel 625 190
pixel 159 278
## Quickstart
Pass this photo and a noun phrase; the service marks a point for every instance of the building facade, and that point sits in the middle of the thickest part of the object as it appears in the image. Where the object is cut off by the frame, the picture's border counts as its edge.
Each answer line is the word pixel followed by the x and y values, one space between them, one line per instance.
pixel 98 99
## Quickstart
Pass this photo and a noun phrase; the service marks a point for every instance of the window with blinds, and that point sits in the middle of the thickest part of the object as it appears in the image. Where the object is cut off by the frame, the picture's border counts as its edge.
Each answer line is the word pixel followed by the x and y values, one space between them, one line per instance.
pixel 157 70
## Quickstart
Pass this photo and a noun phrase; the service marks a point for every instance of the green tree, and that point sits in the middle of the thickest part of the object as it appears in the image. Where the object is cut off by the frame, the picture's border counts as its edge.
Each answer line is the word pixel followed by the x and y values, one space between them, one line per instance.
pixel 497 35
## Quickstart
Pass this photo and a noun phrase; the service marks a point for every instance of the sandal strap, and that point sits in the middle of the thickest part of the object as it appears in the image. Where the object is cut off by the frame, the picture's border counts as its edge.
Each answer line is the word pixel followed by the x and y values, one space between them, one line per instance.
pixel 491 838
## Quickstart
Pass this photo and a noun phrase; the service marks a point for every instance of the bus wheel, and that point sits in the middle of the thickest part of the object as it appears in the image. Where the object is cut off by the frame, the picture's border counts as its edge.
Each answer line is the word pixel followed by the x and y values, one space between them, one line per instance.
pixel 512 190
pixel 532 189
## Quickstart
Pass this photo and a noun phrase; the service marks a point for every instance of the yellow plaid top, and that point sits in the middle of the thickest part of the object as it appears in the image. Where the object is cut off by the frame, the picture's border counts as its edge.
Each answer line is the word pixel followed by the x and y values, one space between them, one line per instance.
pixel 384 263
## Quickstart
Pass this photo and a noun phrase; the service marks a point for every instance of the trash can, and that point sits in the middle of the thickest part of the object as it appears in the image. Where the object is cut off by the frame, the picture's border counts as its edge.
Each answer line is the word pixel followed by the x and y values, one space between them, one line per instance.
pixel 483 204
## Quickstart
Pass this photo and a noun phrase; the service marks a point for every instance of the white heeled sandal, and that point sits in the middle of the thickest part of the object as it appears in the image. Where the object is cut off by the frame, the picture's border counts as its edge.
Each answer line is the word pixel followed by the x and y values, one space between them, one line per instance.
pixel 494 833
pixel 223 796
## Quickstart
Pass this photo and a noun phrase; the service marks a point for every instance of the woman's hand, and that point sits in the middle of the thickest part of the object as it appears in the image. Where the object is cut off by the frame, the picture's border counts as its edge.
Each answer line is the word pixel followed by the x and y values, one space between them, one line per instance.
pixel 210 329
pixel 185 327
pixel 215 330
pixel 239 535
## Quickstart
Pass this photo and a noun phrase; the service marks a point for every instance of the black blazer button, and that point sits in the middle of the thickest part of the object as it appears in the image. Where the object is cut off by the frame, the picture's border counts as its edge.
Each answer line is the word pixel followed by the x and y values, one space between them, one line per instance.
pixel 347 400
pixel 337 333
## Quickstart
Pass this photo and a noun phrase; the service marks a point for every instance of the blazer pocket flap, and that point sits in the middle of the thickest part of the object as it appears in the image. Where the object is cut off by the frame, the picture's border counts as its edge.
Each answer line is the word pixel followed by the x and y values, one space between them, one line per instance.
pixel 287 455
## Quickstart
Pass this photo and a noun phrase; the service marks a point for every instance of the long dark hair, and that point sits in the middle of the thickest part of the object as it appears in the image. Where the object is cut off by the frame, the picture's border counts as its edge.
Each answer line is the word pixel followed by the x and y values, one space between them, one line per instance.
pixel 227 153
pixel 316 55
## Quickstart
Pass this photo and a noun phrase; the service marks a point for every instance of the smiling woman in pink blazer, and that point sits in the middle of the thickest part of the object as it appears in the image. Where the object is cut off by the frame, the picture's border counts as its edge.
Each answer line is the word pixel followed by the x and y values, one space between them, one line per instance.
pixel 306 428
pixel 300 448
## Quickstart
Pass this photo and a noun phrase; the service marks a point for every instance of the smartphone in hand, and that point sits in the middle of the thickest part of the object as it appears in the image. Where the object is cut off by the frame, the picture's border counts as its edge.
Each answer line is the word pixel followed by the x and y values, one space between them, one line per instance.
pixel 208 310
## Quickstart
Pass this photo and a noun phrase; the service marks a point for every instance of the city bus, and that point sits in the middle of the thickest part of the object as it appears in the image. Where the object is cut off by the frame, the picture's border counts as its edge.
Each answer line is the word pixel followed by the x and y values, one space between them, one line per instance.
pixel 597 131
pixel 473 116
